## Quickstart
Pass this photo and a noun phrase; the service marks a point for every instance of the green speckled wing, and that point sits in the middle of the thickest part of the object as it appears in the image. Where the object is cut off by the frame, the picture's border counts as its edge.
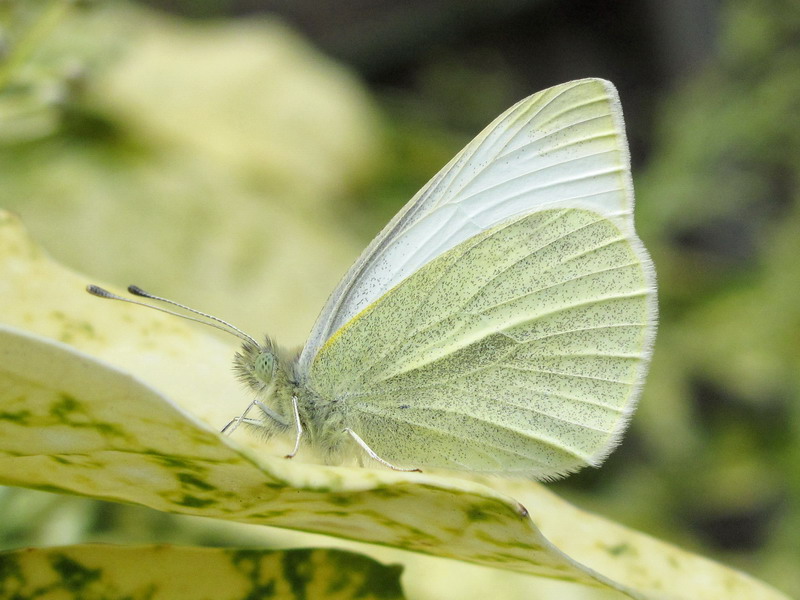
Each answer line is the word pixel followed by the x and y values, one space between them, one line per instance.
pixel 522 349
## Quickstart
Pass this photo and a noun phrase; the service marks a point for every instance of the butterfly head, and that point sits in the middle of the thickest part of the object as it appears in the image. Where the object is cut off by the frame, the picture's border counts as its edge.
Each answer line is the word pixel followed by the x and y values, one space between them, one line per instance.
pixel 256 365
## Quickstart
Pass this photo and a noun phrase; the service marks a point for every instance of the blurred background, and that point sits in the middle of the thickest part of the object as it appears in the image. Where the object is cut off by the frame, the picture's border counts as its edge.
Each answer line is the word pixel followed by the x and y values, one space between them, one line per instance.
pixel 238 154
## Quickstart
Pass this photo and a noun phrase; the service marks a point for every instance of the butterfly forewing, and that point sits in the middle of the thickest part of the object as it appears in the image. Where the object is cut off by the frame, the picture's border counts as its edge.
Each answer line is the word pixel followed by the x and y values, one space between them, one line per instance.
pixel 521 349
pixel 563 147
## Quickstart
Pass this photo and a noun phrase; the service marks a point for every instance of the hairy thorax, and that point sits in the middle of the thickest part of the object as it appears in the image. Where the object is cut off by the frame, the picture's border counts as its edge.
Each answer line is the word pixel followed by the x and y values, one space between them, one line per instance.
pixel 272 375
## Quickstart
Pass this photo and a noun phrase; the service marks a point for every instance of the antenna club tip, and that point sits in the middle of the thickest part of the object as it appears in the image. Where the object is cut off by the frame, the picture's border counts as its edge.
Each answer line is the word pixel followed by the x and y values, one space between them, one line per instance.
pixel 96 290
pixel 210 319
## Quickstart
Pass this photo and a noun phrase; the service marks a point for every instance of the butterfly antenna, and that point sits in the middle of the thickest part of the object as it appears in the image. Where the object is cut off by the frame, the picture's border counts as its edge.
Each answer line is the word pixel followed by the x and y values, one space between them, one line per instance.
pixel 209 320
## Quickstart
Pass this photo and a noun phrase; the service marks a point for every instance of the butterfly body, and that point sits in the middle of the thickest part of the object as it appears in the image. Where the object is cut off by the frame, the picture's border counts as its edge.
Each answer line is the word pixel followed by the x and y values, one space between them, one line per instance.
pixel 501 322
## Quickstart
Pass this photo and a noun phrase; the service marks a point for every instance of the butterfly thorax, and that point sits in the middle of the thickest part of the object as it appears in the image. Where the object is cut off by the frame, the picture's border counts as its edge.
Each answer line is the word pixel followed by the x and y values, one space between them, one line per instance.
pixel 272 373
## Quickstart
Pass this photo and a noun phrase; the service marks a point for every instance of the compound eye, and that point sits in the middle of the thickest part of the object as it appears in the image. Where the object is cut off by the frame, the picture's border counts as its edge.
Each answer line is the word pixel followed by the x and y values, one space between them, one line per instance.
pixel 265 367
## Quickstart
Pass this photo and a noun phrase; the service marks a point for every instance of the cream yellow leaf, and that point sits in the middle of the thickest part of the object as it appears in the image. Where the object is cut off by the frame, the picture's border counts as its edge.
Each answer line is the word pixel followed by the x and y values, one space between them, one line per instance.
pixel 74 418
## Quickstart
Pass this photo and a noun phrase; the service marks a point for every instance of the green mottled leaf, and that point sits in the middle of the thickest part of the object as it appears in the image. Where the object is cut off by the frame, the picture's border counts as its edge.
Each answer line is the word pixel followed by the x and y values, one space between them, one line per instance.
pixel 94 572
pixel 115 402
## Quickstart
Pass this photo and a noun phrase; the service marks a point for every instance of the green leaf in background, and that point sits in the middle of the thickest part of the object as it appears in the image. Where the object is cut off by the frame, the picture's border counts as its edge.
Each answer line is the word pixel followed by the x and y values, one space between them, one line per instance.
pixel 94 572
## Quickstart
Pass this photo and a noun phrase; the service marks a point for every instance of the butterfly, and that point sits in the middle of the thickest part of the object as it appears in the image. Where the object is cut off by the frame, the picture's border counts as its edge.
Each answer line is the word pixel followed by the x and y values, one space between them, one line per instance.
pixel 502 321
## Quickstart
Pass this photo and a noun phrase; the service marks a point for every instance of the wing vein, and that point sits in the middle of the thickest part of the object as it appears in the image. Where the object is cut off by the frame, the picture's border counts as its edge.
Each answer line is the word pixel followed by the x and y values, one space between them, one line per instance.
pixel 552 372
pixel 543 440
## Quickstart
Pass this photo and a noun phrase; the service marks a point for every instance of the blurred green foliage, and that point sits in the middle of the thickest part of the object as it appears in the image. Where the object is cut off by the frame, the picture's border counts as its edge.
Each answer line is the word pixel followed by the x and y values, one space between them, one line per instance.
pixel 713 461
pixel 184 136
pixel 713 457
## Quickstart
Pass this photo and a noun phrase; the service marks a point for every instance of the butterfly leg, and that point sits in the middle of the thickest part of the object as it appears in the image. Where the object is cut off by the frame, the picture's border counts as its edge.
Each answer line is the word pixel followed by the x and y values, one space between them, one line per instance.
pixel 374 456
pixel 298 426
pixel 236 421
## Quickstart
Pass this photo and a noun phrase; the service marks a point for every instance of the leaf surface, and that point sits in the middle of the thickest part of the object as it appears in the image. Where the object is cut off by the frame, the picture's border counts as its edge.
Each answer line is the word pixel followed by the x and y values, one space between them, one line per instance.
pixel 118 403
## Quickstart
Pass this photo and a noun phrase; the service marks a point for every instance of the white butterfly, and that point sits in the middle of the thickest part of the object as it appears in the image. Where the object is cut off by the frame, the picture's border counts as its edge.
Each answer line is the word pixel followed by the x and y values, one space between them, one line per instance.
pixel 502 321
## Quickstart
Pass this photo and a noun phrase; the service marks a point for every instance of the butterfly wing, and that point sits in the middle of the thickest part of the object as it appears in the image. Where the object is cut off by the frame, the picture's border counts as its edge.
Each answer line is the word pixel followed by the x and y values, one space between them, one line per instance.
pixel 522 349
pixel 562 147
